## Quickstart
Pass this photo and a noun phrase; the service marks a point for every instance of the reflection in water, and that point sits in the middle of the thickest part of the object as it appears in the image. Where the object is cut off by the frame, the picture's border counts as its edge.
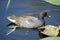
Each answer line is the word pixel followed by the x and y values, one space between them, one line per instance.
pixel 14 27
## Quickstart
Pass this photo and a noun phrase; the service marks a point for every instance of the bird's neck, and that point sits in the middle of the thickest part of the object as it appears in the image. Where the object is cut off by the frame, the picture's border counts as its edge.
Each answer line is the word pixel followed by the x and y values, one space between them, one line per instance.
pixel 42 20
pixel 41 17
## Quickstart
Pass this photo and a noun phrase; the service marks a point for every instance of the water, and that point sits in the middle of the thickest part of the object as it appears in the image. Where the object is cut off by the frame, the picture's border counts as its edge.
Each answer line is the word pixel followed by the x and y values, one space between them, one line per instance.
pixel 20 7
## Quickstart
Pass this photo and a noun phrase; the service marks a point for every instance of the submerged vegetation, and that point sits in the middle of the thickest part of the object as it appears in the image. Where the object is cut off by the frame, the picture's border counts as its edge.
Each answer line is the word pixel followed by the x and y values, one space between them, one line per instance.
pixel 8 3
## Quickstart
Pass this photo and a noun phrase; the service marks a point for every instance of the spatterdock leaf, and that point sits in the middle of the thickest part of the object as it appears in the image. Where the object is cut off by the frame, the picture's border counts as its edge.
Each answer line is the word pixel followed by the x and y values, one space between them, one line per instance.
pixel 55 2
pixel 51 38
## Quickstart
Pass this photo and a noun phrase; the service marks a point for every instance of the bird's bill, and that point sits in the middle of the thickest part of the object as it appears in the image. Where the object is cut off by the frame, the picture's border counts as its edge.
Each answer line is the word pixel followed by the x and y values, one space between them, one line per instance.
pixel 48 16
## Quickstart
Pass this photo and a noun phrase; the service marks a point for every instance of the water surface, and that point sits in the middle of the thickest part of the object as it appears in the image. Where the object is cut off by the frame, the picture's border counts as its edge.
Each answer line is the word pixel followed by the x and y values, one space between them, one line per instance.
pixel 20 7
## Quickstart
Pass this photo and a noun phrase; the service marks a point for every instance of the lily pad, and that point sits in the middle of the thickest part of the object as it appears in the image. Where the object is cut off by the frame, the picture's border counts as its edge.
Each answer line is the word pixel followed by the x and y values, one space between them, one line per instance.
pixel 50 30
pixel 51 38
pixel 54 2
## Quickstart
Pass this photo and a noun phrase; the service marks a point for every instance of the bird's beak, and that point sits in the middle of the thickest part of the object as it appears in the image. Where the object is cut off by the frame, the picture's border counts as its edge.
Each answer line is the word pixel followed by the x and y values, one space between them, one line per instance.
pixel 48 16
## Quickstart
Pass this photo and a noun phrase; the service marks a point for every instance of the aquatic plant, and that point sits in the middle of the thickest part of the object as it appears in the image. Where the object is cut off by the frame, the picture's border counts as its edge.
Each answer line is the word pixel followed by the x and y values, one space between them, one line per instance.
pixel 8 4
pixel 54 2
pixel 51 38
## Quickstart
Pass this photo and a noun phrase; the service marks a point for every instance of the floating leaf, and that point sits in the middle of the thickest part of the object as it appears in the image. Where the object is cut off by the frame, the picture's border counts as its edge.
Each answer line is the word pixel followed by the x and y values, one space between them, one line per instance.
pixel 55 2
pixel 50 30
pixel 51 38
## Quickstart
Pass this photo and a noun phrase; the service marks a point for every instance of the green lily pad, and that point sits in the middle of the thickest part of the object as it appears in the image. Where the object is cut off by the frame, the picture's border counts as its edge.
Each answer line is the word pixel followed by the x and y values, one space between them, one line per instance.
pixel 55 2
pixel 51 38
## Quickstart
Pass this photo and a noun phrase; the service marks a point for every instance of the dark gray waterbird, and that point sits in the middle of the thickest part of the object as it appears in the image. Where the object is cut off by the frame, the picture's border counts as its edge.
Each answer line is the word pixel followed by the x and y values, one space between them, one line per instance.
pixel 28 21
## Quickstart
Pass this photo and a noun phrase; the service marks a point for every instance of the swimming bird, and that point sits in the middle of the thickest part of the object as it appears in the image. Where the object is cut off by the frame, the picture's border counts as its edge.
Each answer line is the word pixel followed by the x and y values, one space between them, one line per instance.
pixel 29 21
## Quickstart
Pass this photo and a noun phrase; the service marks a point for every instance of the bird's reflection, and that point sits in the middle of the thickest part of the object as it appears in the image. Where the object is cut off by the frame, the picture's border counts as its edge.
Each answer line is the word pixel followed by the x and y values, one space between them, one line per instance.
pixel 11 25
pixel 14 27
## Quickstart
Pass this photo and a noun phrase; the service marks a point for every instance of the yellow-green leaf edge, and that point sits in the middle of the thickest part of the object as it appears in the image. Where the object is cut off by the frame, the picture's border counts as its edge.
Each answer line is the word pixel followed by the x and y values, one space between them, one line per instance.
pixel 51 38
pixel 54 2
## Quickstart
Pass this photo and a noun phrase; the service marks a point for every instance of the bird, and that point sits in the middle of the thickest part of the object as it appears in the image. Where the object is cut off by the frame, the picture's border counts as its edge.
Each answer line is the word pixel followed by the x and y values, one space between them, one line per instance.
pixel 29 21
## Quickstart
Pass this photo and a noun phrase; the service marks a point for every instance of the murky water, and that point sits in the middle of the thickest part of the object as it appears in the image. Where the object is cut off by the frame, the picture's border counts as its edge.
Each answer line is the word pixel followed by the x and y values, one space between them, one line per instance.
pixel 21 7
